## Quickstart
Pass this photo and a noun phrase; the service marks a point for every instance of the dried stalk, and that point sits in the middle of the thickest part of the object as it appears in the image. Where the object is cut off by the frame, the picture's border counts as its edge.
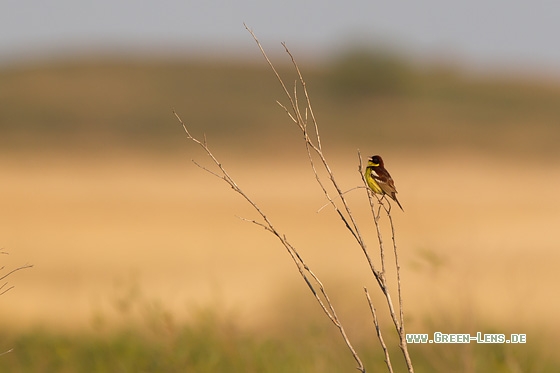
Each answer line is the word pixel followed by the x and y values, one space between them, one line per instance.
pixel 317 289
pixel 315 148
pixel 398 322
pixel 3 288
pixel 302 117
pixel 378 330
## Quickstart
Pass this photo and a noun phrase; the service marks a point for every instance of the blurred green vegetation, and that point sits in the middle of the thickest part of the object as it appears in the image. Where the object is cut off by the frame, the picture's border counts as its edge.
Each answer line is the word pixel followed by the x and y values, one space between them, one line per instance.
pixel 212 343
pixel 360 73
pixel 362 99
pixel 298 339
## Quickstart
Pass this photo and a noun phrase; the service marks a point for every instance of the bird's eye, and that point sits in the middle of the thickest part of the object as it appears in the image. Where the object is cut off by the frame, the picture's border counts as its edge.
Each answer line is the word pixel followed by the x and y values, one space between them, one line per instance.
pixel 375 160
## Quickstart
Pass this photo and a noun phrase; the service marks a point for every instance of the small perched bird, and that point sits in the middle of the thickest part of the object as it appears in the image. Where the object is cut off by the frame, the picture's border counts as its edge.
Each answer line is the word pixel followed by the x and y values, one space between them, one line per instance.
pixel 379 180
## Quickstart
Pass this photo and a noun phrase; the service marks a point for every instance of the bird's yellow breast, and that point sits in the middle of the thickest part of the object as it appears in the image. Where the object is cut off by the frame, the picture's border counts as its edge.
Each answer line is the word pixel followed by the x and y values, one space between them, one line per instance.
pixel 372 183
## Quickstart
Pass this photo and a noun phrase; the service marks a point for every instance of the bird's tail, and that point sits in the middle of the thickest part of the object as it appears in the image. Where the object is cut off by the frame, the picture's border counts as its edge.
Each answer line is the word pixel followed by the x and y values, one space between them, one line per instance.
pixel 394 197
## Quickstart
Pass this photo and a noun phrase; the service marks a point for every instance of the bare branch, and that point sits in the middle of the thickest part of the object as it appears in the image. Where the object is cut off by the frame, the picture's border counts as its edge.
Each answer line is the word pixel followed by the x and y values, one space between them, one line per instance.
pixel 15 270
pixel 300 117
pixel 347 217
pixel 378 330
pixel 206 169
pixel 320 295
pixel 398 322
pixel 6 290
pixel 349 190
pixel 256 222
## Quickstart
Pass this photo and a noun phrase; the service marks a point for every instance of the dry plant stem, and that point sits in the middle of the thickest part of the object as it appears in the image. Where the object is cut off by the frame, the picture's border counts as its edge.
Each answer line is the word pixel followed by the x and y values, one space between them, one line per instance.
pixel 402 333
pixel 303 269
pixel 328 203
pixel 375 217
pixel 378 330
pixel 297 118
pixel 316 148
pixel 2 290
pixel 301 121
pixel 398 322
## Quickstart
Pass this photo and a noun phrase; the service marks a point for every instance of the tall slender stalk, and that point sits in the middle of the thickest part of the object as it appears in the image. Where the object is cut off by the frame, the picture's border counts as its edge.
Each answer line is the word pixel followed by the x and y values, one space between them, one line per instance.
pixel 302 115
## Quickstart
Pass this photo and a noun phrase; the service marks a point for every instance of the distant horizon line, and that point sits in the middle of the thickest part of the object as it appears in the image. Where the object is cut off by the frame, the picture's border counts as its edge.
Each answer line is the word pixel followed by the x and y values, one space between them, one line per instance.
pixel 248 53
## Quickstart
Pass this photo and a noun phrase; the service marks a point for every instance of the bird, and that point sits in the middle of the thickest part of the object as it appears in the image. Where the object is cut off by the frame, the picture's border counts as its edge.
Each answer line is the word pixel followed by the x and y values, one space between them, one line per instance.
pixel 379 180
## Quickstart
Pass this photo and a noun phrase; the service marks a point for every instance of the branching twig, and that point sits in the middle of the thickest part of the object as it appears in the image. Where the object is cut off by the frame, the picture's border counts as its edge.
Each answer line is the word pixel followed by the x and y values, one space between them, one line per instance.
pixel 318 290
pixel 350 223
pixel 2 290
pixel 398 322
pixel 298 119
pixel 348 219
pixel 301 116
pixel 328 203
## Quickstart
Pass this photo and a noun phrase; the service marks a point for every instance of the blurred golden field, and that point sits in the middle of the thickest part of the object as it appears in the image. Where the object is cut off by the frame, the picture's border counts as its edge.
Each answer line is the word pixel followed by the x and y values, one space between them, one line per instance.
pixel 99 193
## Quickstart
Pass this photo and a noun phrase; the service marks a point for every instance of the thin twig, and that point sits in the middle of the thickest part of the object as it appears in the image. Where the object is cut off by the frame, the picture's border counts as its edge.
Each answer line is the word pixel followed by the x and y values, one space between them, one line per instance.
pixel 320 294
pixel 348 219
pixel 300 117
pixel 370 195
pixel 402 333
pixel 328 203
pixel 301 123
pixel 398 322
pixel 15 270
pixel 378 330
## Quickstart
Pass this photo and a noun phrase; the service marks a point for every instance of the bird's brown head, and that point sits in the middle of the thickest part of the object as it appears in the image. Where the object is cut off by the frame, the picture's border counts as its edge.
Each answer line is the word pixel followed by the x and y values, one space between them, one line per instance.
pixel 375 161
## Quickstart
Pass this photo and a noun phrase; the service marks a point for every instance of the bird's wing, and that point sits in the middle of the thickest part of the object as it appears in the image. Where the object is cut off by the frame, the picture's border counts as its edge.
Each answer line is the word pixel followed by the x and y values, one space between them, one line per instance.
pixel 388 187
pixel 385 181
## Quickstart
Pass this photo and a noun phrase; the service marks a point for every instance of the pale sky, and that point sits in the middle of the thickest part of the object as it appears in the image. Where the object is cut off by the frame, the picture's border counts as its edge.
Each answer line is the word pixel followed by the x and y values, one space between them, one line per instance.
pixel 515 34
